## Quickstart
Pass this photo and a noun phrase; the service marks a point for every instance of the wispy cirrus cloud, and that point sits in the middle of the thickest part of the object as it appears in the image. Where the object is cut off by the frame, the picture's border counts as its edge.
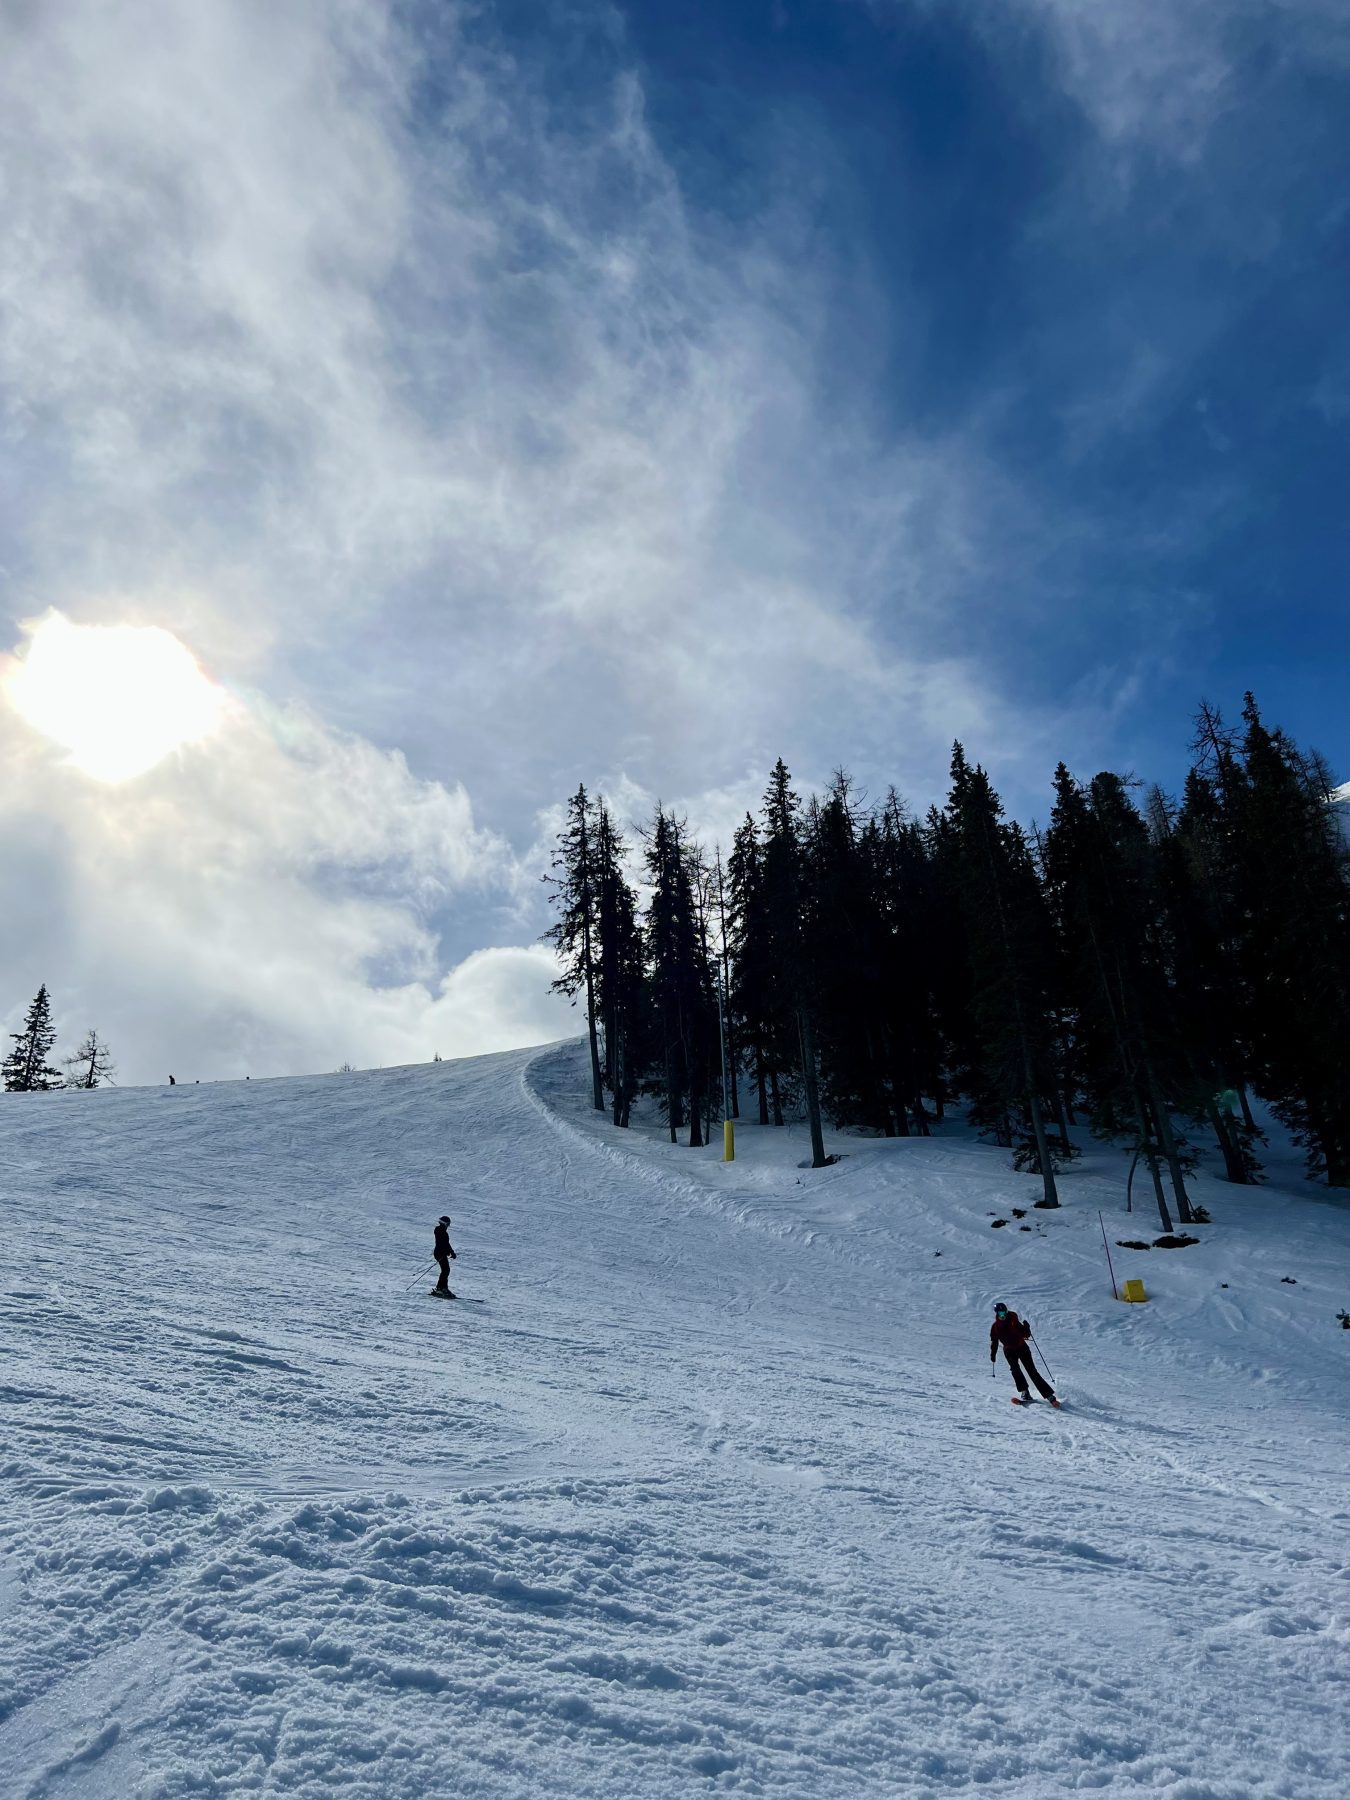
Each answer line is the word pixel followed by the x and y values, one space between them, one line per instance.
pixel 390 362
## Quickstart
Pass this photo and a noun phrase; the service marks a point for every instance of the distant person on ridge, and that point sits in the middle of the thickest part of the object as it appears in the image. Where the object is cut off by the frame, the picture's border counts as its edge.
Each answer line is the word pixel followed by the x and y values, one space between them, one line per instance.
pixel 1014 1335
pixel 444 1251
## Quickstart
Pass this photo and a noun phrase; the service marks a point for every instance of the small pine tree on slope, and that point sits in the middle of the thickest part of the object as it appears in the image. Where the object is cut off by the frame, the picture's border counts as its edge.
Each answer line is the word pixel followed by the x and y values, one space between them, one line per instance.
pixel 26 1069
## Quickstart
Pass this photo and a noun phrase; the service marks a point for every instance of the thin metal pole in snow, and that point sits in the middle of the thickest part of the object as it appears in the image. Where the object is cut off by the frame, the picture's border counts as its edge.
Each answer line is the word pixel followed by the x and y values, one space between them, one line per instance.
pixel 1105 1246
pixel 421 1275
pixel 1032 1335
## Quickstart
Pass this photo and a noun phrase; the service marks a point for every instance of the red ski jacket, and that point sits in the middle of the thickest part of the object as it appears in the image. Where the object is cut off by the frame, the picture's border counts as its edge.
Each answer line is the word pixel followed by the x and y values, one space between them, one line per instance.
pixel 1013 1333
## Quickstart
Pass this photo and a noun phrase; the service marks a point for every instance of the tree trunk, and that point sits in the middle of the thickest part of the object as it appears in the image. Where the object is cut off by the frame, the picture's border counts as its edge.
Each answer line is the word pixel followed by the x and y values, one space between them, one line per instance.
pixel 776 1096
pixel 614 1047
pixel 597 1083
pixel 1167 1139
pixel 763 1091
pixel 1151 1157
pixel 899 1083
pixel 1328 1142
pixel 1246 1105
pixel 1062 1108
pixel 1235 1168
pixel 807 1034
pixel 695 1122
pixel 1043 1151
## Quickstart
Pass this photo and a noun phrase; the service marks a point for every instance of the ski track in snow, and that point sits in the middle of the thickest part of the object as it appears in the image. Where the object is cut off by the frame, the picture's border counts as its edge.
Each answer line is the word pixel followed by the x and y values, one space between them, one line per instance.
pixel 715 1493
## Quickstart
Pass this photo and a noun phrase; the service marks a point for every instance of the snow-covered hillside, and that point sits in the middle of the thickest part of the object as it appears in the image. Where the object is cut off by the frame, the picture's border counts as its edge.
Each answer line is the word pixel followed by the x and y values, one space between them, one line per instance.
pixel 714 1492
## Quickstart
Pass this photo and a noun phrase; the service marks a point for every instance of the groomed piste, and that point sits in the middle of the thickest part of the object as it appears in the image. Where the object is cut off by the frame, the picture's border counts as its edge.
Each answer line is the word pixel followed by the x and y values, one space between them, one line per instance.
pixel 713 1493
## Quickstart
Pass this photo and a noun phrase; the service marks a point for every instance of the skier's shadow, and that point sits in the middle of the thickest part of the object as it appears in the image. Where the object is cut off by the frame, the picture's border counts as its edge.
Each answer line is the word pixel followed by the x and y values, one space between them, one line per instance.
pixel 1090 1406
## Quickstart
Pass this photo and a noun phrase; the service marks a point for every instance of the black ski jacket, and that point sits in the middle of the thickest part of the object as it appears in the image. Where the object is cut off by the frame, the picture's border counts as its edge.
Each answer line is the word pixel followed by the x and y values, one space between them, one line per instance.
pixel 1011 1332
pixel 443 1242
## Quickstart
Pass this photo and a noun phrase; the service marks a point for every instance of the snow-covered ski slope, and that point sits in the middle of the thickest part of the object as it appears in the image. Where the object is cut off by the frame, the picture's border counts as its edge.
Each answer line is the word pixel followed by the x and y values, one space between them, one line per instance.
pixel 714 1494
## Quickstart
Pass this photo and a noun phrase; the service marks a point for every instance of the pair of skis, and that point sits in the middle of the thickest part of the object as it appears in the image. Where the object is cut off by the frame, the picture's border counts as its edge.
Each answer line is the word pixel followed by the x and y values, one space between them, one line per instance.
pixel 1026 1400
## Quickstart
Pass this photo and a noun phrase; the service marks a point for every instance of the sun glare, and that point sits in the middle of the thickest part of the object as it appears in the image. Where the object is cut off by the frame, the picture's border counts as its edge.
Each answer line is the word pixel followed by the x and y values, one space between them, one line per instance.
pixel 119 698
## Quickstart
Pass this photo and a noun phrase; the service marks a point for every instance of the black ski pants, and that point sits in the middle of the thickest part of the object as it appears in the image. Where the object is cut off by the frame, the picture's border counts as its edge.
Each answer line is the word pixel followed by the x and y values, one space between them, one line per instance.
pixel 444 1262
pixel 1019 1361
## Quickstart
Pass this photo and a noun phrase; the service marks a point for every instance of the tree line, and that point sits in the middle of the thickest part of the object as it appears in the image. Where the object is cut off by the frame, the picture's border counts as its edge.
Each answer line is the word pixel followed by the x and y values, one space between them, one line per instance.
pixel 1145 961
pixel 28 1068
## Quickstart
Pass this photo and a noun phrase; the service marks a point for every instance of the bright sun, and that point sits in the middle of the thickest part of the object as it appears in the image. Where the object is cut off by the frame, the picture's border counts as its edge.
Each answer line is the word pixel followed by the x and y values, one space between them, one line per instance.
pixel 118 697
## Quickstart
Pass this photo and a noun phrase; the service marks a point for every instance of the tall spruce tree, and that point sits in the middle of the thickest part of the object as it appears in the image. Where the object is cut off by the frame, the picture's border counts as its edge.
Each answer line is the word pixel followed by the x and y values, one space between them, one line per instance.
pixel 755 990
pixel 679 978
pixel 789 925
pixel 26 1068
pixel 719 895
pixel 1210 998
pixel 1095 854
pixel 906 897
pixel 618 982
pixel 1009 937
pixel 573 934
pixel 1295 901
pixel 847 954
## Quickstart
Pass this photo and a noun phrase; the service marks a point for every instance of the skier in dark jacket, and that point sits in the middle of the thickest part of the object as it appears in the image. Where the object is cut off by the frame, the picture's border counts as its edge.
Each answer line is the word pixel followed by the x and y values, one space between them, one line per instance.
pixel 444 1251
pixel 1014 1335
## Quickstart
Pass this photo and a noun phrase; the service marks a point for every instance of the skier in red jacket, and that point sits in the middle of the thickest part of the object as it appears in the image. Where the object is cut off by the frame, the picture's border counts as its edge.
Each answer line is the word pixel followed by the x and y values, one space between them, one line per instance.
pixel 1015 1336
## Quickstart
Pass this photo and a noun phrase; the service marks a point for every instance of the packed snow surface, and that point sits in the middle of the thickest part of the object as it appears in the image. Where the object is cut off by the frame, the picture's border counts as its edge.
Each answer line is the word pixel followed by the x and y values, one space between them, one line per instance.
pixel 713 1493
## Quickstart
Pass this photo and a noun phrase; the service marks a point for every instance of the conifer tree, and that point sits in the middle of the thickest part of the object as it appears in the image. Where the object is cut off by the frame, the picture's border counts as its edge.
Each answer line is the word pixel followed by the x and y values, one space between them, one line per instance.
pixel 1009 938
pixel 573 933
pixel 846 952
pixel 786 903
pixel 679 978
pixel 949 962
pixel 719 895
pixel 755 991
pixel 1096 864
pixel 1210 996
pixel 91 1065
pixel 906 898
pixel 26 1069
pixel 1295 901
pixel 618 985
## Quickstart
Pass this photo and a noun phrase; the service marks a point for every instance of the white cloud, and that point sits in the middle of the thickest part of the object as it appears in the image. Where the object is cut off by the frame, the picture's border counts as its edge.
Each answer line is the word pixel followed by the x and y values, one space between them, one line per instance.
pixel 261 902
pixel 400 395
pixel 1158 75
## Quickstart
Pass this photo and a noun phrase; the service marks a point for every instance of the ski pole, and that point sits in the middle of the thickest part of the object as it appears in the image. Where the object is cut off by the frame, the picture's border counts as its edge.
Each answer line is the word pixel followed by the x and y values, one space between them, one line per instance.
pixel 419 1276
pixel 1032 1335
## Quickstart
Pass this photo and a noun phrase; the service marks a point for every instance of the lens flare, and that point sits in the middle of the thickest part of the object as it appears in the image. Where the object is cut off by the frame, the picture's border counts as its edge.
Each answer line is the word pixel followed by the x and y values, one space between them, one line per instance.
pixel 119 698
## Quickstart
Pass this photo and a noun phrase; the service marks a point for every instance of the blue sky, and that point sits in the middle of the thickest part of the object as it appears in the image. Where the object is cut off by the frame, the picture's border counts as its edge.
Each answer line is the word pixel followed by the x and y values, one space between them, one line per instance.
pixel 493 397
pixel 1147 328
